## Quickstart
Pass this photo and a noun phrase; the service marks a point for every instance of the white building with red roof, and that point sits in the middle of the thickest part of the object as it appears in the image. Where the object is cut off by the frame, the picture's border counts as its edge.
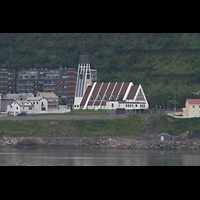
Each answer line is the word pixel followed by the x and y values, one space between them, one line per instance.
pixel 112 96
pixel 192 108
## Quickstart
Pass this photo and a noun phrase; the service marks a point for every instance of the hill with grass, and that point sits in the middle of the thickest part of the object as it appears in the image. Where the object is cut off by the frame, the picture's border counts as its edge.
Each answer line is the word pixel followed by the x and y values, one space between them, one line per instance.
pixel 167 65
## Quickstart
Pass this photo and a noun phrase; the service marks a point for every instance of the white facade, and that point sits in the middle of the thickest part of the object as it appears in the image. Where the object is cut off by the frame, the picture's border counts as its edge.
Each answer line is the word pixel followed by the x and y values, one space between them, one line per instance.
pixel 83 76
pixel 34 105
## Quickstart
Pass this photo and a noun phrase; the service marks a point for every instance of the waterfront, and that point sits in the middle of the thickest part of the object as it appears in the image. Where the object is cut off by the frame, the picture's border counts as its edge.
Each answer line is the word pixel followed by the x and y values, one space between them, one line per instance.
pixel 97 157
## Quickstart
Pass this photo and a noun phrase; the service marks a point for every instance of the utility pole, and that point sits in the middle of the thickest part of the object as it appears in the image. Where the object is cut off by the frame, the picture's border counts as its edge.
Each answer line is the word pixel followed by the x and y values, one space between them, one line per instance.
pixel 175 104
pixel 168 102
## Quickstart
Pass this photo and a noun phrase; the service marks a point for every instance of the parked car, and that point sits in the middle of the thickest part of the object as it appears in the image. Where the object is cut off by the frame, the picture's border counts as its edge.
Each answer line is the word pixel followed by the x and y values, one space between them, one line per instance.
pixel 21 114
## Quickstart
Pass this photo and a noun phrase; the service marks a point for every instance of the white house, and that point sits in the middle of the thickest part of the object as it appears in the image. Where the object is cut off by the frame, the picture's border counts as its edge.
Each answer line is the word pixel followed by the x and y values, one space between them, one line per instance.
pixel 30 105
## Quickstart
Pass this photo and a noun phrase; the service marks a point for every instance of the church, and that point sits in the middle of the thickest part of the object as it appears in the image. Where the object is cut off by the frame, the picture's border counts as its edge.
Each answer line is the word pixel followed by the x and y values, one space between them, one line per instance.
pixel 106 96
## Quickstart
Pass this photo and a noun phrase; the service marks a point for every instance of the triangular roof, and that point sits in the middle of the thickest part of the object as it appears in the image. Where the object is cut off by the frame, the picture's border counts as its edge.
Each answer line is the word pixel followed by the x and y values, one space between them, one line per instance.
pixel 22 103
pixel 100 90
pixel 99 93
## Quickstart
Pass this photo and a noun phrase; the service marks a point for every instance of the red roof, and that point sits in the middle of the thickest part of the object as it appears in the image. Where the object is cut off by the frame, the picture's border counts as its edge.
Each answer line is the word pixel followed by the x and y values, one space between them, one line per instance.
pixel 102 90
pixel 193 101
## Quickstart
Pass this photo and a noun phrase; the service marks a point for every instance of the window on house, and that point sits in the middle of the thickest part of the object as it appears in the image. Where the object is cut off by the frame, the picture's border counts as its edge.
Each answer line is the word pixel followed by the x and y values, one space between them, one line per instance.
pixel 16 108
pixel 112 105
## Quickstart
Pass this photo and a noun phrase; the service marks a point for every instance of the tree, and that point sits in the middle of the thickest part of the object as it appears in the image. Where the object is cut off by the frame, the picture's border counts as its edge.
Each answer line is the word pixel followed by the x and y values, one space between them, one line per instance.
pixel 173 104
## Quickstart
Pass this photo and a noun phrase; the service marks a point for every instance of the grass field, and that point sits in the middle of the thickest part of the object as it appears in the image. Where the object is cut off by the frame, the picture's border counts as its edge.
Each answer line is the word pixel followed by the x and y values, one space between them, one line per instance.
pixel 128 127
pixel 115 127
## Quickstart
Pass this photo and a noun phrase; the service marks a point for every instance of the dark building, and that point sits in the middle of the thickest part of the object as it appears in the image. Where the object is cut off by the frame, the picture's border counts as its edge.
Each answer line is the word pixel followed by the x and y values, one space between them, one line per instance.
pixel 7 81
pixel 27 81
pixel 66 84
pixel 60 81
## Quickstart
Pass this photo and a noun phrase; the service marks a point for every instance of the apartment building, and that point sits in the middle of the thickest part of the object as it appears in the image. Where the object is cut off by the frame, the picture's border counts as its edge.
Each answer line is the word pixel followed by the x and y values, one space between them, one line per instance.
pixel 60 81
pixel 66 84
pixel 7 81
pixel 27 81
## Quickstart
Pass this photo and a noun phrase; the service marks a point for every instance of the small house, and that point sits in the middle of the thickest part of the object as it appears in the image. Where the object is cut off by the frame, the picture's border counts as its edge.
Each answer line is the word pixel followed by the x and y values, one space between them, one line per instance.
pixel 192 108
pixel 31 105
pixel 165 136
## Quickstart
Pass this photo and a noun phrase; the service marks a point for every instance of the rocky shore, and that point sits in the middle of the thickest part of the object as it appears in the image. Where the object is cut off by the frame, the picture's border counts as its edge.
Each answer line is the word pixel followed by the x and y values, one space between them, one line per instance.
pixel 100 143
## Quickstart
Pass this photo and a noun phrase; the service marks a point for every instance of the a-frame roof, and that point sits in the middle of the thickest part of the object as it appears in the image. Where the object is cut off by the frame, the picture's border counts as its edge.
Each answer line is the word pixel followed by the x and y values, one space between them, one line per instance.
pixel 99 93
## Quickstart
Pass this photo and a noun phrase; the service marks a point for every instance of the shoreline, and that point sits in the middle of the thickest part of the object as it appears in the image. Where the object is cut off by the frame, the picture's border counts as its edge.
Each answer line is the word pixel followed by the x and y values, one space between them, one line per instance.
pixel 99 143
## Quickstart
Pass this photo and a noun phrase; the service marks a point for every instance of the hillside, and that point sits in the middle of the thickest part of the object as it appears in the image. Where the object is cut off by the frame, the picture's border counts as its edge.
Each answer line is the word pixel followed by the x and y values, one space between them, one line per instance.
pixel 166 64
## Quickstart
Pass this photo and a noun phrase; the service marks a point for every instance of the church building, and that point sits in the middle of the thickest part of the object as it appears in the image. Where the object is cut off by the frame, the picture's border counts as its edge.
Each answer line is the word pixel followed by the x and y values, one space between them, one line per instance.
pixel 106 96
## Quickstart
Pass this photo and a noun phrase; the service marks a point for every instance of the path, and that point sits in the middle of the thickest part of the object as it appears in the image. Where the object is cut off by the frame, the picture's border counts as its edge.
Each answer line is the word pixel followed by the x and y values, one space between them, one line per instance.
pixel 62 117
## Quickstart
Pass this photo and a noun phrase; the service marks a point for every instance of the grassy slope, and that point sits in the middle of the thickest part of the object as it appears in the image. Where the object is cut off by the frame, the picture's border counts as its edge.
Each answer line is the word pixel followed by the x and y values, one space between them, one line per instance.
pixel 132 126
pixel 177 126
pixel 116 127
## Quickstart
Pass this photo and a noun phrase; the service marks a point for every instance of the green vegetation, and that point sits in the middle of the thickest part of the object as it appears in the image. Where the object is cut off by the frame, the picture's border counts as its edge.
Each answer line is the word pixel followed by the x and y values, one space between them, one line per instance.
pixel 115 127
pixel 166 64
pixel 176 126
pixel 135 125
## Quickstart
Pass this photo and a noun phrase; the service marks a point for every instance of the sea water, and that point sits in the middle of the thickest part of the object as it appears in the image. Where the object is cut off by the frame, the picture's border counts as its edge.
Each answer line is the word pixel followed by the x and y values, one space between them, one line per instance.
pixel 94 157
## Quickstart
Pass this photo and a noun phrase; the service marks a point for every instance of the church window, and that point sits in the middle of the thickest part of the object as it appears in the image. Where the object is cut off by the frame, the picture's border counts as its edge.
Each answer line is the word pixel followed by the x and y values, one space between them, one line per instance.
pixel 140 96
pixel 92 97
pixel 113 98
pixel 99 97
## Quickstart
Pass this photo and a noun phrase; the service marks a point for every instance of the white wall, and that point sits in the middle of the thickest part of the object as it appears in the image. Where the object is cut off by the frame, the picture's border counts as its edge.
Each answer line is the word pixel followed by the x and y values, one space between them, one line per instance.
pixel 77 101
pixel 37 107
pixel 14 108
pixel 110 105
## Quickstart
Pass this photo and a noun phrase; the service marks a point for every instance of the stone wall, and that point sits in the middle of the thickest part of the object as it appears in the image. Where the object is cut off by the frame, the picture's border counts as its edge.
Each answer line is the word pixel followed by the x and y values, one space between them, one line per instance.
pixel 99 142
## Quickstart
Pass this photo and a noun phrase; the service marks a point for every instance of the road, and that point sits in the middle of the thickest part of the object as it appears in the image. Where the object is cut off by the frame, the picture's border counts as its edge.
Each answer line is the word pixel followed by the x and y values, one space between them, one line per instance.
pixel 61 117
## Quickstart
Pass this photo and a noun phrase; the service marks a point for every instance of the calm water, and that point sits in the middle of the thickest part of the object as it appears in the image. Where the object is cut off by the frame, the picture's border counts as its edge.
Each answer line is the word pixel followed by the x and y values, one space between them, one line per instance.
pixel 85 157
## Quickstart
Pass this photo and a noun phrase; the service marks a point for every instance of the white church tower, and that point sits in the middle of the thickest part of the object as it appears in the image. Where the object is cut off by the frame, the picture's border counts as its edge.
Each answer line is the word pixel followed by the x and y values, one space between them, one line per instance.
pixel 83 78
